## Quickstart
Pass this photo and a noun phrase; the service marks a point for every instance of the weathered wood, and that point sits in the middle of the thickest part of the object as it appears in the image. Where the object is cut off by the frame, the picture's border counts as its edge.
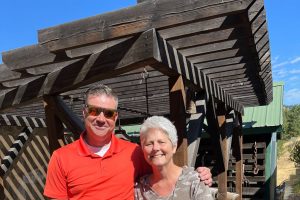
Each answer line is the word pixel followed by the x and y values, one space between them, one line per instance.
pixel 180 64
pixel 55 127
pixel 177 115
pixel 115 24
pixel 195 125
pixel 130 55
pixel 65 114
pixel 217 23
pixel 44 69
pixel 222 177
pixel 94 48
pixel 237 152
pixel 6 74
pixel 216 126
pixel 27 57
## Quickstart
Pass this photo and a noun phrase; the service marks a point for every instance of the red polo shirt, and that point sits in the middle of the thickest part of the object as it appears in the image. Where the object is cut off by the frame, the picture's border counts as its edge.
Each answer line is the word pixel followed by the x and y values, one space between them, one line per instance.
pixel 76 173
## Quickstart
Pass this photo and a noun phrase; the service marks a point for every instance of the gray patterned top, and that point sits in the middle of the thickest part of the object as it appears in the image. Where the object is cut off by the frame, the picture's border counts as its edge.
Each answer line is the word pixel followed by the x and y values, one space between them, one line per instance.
pixel 188 187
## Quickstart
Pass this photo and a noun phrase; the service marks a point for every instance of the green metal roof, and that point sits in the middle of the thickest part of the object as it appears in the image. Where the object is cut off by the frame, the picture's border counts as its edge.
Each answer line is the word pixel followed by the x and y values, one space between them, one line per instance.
pixel 266 116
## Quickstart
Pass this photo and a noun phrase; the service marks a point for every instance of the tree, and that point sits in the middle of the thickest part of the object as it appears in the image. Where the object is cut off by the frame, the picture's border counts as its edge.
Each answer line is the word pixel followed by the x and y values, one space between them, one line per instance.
pixel 295 154
pixel 291 121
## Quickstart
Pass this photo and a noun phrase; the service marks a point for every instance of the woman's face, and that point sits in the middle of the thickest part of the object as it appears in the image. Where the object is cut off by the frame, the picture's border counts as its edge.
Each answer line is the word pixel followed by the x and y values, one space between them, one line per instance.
pixel 157 147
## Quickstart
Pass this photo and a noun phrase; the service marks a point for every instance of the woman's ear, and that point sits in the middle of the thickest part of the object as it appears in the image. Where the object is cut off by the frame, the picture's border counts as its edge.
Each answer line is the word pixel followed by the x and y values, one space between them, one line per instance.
pixel 174 149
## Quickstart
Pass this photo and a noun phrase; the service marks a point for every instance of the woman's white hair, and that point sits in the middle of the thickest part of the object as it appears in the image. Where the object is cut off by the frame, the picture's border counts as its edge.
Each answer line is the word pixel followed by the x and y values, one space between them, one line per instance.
pixel 161 123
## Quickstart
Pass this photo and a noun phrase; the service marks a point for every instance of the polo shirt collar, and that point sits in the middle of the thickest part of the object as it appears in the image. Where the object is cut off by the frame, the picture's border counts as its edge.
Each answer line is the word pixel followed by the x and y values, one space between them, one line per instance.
pixel 115 146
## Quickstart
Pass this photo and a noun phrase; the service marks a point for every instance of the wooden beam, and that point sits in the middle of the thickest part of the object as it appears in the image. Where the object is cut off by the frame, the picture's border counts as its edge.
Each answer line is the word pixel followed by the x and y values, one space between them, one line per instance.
pixel 180 64
pixel 177 116
pixel 66 115
pixel 152 14
pixel 237 152
pixel 28 56
pixel 127 56
pixel 6 74
pixel 55 127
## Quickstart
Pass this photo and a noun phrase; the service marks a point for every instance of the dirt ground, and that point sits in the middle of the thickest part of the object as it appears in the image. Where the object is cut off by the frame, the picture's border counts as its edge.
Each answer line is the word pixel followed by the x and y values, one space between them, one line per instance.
pixel 286 170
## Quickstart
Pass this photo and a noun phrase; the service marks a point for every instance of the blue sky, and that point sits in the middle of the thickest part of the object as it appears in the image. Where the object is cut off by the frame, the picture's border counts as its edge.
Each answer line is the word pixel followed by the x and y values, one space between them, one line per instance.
pixel 20 21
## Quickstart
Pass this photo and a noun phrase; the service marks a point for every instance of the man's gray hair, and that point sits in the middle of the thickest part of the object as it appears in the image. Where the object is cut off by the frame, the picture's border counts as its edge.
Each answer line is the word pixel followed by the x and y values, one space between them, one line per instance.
pixel 101 89
pixel 161 123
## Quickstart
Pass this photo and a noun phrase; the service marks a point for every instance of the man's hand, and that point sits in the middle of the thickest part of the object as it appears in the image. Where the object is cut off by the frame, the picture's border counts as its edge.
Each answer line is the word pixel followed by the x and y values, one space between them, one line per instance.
pixel 205 175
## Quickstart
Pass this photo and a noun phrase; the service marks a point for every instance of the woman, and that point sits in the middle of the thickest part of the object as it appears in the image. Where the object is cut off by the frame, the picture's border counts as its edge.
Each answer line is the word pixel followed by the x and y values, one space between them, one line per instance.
pixel 158 138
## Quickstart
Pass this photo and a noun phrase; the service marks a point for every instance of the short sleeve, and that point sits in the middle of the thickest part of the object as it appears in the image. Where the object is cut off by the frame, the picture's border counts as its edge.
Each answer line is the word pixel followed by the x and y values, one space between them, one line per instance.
pixel 56 183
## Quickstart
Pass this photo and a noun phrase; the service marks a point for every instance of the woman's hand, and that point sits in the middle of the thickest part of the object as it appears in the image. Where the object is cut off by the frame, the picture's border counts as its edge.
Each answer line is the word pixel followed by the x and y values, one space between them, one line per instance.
pixel 205 175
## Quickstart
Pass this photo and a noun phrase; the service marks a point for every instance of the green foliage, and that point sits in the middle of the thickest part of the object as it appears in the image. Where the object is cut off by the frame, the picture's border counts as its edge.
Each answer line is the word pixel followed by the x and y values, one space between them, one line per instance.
pixel 291 122
pixel 295 154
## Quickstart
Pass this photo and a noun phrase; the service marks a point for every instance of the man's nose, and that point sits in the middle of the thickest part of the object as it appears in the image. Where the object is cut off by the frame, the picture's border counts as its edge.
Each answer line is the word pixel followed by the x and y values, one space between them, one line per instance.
pixel 101 117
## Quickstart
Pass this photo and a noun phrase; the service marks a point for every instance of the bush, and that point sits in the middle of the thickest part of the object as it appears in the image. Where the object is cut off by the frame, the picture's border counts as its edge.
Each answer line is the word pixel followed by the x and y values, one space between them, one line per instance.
pixel 295 154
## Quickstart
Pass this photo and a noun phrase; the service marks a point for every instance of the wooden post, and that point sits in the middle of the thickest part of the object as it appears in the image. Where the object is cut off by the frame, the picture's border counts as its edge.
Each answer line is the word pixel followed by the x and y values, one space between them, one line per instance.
pixel 195 125
pixel 237 152
pixel 222 176
pixel 177 116
pixel 216 118
pixel 54 125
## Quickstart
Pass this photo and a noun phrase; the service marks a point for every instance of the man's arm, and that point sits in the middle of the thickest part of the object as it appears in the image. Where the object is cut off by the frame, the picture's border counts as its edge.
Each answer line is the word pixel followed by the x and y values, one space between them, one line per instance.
pixel 205 175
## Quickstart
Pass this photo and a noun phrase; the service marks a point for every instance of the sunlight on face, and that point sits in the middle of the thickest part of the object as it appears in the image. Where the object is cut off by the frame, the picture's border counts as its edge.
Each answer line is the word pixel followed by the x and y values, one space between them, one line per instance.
pixel 157 147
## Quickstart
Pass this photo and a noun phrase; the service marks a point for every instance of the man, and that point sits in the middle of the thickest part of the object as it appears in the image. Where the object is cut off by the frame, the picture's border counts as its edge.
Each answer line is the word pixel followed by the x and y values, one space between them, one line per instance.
pixel 98 165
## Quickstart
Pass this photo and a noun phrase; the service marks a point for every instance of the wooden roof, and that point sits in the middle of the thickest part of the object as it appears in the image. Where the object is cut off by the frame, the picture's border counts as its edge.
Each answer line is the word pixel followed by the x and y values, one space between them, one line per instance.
pixel 220 46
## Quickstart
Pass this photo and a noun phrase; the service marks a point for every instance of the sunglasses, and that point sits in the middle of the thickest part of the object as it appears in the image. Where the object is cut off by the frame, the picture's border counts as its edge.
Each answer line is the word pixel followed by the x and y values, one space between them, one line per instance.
pixel 95 111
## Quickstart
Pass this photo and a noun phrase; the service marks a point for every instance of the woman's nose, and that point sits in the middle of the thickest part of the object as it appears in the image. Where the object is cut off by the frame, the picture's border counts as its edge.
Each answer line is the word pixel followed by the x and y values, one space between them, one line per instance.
pixel 155 146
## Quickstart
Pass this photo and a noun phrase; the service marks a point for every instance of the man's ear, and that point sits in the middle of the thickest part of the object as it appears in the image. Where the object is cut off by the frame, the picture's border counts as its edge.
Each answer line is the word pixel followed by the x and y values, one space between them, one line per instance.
pixel 116 117
pixel 84 113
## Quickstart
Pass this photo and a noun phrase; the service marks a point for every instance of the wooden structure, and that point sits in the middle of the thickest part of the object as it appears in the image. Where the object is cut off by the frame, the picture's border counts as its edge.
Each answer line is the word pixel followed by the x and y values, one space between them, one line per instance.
pixel 262 126
pixel 197 58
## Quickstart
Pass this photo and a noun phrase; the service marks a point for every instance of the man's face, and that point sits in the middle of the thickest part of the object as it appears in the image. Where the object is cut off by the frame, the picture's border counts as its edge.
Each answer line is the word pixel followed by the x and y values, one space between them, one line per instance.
pixel 99 127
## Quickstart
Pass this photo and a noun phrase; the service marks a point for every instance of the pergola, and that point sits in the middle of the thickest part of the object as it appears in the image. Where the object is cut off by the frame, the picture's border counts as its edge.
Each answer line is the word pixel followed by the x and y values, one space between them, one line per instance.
pixel 183 59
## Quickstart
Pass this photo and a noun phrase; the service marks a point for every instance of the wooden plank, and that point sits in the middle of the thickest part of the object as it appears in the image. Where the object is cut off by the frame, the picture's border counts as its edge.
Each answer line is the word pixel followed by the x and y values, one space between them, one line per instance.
pixel 19 82
pixel 152 14
pixel 127 56
pixel 27 57
pixel 55 127
pixel 24 93
pixel 116 60
pixel 93 48
pixel 177 115
pixel 44 69
pixel 6 74
pixel 207 25
pixel 177 62
pixel 215 55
